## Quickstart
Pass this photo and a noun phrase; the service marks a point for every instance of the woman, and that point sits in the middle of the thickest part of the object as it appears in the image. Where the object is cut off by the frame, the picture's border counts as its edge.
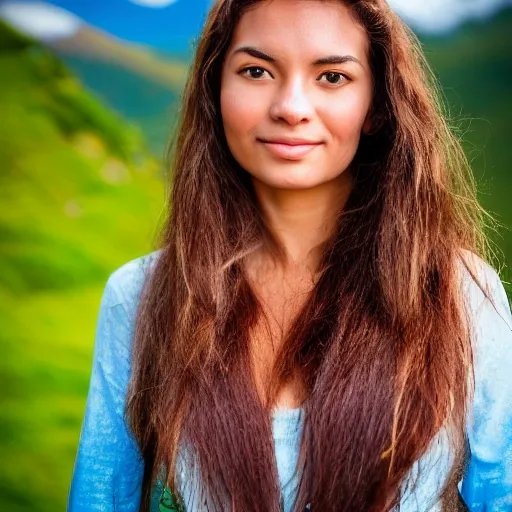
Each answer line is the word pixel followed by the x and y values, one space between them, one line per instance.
pixel 317 331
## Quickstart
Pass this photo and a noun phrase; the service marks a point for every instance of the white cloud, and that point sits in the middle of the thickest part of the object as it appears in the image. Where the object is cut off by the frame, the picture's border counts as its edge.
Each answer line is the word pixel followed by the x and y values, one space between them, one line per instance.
pixel 40 20
pixel 441 15
pixel 153 3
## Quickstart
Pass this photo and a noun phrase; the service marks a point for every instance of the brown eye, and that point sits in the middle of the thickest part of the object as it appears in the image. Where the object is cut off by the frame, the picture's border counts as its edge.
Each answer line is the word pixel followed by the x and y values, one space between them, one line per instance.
pixel 334 78
pixel 254 72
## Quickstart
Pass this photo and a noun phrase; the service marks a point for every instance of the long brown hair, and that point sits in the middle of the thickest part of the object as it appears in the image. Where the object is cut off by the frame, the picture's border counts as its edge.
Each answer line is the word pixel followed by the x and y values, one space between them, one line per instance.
pixel 382 345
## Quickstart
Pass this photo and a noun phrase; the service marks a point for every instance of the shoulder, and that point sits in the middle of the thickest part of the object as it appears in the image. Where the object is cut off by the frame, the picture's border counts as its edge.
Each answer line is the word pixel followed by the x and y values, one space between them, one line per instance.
pixel 483 292
pixel 116 323
pixel 487 310
pixel 125 284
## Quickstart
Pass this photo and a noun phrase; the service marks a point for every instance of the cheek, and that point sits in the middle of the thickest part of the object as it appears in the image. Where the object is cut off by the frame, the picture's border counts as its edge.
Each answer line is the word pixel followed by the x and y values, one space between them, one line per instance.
pixel 344 119
pixel 240 112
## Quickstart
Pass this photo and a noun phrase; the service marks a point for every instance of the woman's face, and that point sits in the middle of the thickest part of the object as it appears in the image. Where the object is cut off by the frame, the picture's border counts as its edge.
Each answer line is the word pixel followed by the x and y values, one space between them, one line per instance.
pixel 296 91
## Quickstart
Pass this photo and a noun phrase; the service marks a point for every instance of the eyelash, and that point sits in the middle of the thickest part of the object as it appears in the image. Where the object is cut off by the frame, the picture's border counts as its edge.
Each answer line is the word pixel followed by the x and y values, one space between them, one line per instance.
pixel 345 77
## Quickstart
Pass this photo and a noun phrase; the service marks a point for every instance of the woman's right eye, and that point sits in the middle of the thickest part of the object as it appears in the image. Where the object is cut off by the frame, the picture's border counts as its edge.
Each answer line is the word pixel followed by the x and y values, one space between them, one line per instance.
pixel 253 72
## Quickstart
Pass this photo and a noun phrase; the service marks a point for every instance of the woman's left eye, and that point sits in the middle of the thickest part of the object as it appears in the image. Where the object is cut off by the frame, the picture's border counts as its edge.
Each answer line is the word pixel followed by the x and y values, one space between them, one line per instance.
pixel 333 77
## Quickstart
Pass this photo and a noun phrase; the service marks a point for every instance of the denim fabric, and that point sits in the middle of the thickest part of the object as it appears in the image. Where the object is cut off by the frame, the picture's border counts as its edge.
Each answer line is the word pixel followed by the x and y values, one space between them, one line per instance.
pixel 108 468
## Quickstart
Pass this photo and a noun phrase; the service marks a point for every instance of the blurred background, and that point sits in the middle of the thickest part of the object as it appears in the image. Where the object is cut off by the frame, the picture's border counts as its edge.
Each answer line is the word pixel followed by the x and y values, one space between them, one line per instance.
pixel 88 97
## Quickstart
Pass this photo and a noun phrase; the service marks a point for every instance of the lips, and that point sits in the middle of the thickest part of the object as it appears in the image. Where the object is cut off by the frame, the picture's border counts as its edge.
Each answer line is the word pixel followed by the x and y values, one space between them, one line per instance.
pixel 290 148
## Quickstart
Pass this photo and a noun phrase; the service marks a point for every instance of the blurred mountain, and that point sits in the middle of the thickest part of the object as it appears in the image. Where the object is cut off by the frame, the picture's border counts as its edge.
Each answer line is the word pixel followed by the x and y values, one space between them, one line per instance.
pixel 138 98
pixel 67 162
pixel 134 80
pixel 89 42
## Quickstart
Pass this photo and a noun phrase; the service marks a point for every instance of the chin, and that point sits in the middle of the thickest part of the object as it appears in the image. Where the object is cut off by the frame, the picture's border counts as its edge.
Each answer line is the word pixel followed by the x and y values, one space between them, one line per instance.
pixel 291 183
pixel 287 179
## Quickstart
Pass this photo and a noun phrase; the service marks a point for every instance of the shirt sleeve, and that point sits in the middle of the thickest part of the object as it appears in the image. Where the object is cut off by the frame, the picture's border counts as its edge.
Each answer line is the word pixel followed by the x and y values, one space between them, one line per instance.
pixel 108 467
pixel 487 481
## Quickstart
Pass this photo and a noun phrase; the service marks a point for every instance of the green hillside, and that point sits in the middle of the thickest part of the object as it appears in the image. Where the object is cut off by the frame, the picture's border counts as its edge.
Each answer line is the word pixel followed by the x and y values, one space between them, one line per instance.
pixel 80 195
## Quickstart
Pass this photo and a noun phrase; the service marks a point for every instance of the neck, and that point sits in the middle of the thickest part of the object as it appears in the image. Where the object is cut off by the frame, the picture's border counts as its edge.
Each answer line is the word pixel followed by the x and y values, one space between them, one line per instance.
pixel 301 220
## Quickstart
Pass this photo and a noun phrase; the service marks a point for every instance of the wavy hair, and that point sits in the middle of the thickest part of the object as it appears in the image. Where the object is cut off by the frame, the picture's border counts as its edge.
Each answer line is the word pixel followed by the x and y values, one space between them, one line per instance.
pixel 382 345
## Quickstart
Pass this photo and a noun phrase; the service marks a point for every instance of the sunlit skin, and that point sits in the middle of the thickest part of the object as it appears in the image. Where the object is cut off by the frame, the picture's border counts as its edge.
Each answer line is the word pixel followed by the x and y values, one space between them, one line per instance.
pixel 295 69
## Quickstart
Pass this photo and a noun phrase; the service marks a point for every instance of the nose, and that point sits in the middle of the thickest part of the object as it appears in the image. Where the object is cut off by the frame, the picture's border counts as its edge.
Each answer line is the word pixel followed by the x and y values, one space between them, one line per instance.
pixel 291 103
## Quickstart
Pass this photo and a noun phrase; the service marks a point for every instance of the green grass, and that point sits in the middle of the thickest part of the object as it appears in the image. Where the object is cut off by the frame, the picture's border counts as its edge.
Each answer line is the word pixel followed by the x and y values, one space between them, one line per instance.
pixel 46 341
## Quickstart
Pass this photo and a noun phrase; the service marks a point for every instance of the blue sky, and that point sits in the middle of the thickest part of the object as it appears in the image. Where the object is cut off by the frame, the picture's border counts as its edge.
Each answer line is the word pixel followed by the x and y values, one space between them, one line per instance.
pixel 171 25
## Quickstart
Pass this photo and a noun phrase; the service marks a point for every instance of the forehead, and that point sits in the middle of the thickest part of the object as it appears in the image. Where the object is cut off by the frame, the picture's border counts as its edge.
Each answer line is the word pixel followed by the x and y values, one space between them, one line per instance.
pixel 306 28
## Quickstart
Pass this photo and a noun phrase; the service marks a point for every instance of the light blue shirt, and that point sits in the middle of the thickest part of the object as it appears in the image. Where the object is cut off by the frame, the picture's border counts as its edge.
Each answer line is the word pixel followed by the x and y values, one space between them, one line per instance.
pixel 108 468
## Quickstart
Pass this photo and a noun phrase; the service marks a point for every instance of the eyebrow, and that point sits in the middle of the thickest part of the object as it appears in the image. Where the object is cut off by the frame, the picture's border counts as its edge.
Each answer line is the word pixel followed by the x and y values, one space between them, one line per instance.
pixel 331 59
